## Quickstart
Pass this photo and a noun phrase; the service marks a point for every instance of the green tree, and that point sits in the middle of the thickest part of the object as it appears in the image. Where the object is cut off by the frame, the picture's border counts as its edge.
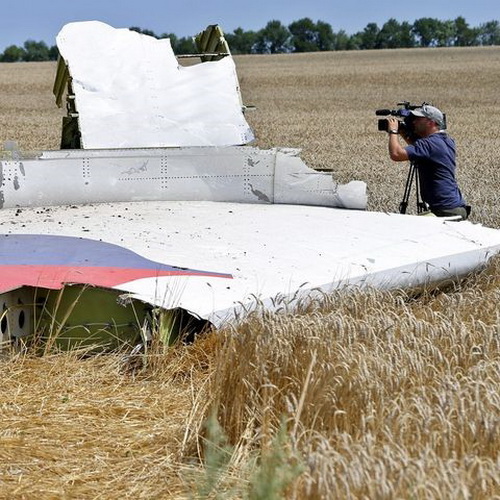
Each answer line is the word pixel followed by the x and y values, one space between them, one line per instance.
pixel 172 36
pixel 143 31
pixel 406 36
pixel 445 33
pixel 489 33
pixel 368 37
pixel 304 35
pixel 273 39
pixel 326 38
pixel 342 41
pixel 36 51
pixel 389 36
pixel 355 40
pixel 464 35
pixel 185 45
pixel 241 42
pixel 13 53
pixel 426 30
pixel 53 53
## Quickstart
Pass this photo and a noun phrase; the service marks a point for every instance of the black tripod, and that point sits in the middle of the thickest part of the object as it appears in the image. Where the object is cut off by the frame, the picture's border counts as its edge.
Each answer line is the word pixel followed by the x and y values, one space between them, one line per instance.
pixel 412 175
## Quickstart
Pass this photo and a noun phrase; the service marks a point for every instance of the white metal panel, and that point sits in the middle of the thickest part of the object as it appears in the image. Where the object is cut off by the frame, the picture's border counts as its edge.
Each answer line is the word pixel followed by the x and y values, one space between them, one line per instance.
pixel 270 250
pixel 234 174
pixel 297 184
pixel 131 92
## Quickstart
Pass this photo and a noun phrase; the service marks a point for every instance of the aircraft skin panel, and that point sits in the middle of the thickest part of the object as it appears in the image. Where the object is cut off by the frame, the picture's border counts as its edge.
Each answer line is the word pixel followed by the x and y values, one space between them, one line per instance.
pixel 131 92
pixel 268 250
pixel 233 174
pixel 297 184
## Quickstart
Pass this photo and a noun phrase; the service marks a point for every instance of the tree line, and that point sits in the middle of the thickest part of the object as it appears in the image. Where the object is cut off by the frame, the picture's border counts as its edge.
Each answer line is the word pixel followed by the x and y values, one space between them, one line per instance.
pixel 305 35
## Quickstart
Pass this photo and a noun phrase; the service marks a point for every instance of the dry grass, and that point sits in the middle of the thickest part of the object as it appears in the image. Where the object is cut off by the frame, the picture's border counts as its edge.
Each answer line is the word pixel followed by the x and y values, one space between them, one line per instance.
pixel 88 428
pixel 381 395
pixel 385 397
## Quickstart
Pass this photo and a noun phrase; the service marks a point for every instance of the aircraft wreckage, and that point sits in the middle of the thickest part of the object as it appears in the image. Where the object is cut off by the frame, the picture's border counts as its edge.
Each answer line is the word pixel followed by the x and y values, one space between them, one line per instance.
pixel 155 214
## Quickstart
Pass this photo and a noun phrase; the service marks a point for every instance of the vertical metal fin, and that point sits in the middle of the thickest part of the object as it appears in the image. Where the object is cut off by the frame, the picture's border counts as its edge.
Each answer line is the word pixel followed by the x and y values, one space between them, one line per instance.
pixel 211 41
pixel 70 134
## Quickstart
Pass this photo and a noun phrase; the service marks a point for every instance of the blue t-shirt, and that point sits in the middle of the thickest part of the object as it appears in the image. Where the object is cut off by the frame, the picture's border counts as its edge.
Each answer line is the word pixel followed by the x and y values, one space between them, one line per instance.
pixel 434 157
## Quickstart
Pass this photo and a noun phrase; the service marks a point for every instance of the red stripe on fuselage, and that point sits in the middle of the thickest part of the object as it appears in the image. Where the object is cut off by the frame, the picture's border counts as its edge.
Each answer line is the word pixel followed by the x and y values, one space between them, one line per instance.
pixel 54 277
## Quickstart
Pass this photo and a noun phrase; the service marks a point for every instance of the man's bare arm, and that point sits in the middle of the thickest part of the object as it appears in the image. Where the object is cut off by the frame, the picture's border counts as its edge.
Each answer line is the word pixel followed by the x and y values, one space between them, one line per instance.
pixel 396 151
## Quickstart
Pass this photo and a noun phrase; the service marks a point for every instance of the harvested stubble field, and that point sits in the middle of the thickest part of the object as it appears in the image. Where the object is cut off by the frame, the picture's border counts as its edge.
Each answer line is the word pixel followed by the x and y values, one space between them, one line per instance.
pixel 361 395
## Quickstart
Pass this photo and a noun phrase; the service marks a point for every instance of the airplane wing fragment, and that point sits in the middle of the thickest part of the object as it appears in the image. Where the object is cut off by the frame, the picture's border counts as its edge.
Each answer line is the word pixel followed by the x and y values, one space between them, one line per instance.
pixel 155 204
pixel 217 259
pixel 130 91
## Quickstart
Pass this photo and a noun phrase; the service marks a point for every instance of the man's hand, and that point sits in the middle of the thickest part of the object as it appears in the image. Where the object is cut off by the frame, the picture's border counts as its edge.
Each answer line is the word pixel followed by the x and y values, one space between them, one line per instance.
pixel 396 151
pixel 393 123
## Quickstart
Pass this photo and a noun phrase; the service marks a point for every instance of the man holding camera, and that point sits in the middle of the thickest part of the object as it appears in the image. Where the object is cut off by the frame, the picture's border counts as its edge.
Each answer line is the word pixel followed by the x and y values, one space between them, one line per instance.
pixel 432 151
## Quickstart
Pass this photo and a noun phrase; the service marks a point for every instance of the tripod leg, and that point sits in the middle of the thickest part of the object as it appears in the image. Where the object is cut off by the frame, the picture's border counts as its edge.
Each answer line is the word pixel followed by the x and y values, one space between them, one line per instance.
pixel 421 205
pixel 406 196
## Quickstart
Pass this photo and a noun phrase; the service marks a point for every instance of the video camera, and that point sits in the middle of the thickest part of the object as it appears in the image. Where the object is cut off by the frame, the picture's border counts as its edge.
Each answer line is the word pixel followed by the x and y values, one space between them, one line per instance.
pixel 405 124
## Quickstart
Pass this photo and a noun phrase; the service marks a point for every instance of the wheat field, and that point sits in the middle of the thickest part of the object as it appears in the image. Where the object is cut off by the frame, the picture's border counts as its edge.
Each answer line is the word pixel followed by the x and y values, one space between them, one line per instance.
pixel 357 395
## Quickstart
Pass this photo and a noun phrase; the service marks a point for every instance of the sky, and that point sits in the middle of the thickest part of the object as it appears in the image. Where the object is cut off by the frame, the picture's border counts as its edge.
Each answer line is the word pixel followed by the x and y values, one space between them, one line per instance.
pixel 22 20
